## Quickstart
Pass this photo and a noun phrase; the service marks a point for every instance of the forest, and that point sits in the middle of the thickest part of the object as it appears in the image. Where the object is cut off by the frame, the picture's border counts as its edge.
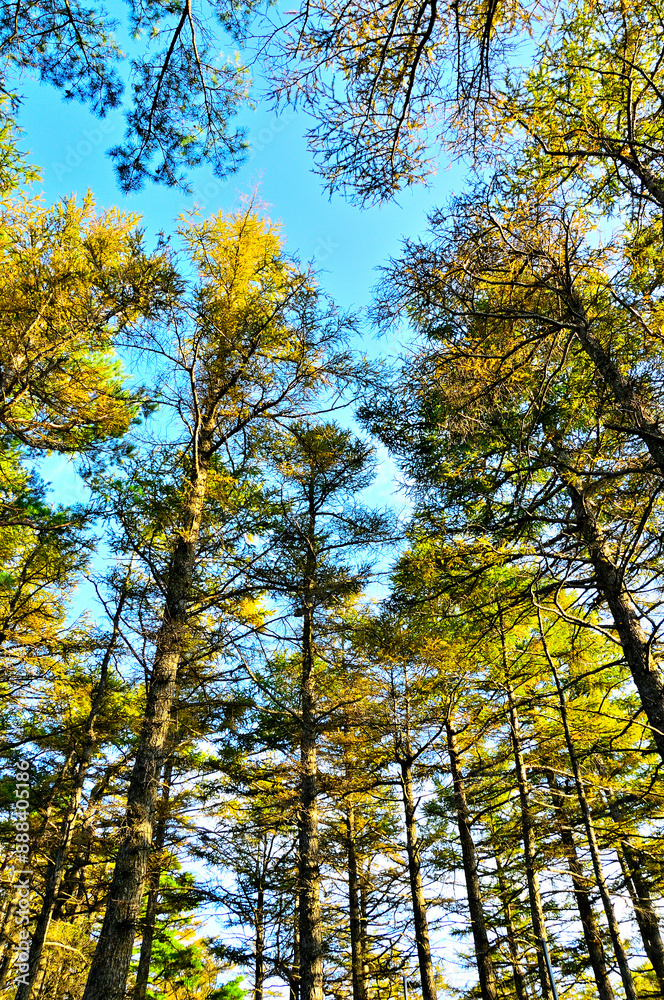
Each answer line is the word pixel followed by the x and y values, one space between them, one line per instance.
pixel 268 728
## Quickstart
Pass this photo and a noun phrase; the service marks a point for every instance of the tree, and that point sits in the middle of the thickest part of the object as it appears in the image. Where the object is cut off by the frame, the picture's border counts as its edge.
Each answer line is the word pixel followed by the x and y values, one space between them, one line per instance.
pixel 88 747
pixel 250 345
pixel 365 831
pixel 75 725
pixel 73 281
pixel 321 468
pixel 486 626
pixel 389 85
pixel 412 722
pixel 589 111
pixel 520 369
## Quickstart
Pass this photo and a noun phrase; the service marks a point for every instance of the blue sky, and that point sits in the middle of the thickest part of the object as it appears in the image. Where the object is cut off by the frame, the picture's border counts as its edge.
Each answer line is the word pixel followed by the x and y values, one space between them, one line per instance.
pixel 347 243
pixel 69 145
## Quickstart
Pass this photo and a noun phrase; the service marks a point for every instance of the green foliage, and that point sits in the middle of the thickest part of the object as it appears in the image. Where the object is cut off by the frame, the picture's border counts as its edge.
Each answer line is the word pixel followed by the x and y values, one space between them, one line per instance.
pixel 183 90
pixel 232 990
pixel 71 281
pixel 532 396
pixel 14 171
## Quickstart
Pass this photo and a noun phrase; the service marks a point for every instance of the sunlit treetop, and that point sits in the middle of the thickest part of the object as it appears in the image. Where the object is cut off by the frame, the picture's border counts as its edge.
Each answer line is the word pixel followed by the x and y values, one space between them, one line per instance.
pixel 71 280
pixel 590 109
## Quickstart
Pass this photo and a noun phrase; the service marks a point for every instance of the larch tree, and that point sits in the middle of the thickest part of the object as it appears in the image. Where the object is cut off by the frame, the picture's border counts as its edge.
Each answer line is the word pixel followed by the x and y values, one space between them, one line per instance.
pixel 321 535
pixel 250 344
pixel 74 281
pixel 518 367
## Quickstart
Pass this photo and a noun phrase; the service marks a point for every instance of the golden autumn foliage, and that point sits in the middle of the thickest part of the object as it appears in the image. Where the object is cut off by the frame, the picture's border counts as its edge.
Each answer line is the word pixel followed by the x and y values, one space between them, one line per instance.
pixel 71 280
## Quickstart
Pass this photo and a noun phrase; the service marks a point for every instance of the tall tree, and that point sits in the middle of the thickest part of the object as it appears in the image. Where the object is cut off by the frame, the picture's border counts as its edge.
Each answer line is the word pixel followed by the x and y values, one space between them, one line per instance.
pixel 88 745
pixel 249 345
pixel 321 469
pixel 517 370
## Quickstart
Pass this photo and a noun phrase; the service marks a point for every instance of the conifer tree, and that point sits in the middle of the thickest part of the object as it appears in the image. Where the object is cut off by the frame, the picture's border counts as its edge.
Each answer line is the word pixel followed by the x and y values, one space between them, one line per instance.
pixel 321 469
pixel 248 345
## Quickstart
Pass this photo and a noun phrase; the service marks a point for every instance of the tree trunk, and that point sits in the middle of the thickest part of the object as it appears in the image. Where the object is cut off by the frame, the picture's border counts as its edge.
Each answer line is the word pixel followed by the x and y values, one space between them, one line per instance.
pixel 6 960
pixel 416 886
pixel 259 972
pixel 55 792
pixel 311 944
pixel 644 911
pixel 56 865
pixel 75 875
pixel 364 921
pixel 581 894
pixel 639 418
pixel 357 958
pixel 485 968
pixel 7 904
pixel 110 964
pixel 515 957
pixel 637 887
pixel 633 638
pixel 150 921
pixel 8 939
pixel 534 896
pixel 5 881
pixel 614 930
pixel 294 982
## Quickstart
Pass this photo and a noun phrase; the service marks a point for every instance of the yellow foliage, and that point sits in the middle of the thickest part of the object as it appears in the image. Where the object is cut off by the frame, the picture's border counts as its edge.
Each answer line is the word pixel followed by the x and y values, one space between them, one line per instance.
pixel 70 278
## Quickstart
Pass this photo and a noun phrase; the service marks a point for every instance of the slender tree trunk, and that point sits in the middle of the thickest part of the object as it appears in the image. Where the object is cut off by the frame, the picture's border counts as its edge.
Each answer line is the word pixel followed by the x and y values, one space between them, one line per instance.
pixel 5 962
pixel 39 983
pixel 515 957
pixel 54 793
pixel 614 930
pixel 534 895
pixel 77 866
pixel 9 899
pixel 581 894
pixel 644 911
pixel 639 892
pixel 110 964
pixel 357 958
pixel 55 871
pixel 364 921
pixel 56 866
pixel 311 944
pixel 294 983
pixel 5 877
pixel 150 921
pixel 8 939
pixel 259 972
pixel 416 885
pixel 485 968
pixel 633 638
